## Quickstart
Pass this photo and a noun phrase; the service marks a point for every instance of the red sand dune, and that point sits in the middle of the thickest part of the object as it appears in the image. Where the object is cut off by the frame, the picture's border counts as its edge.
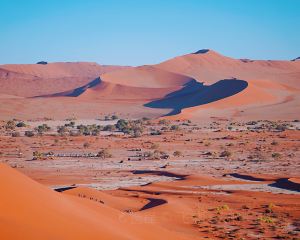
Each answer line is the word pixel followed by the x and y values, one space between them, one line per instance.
pixel 32 211
pixel 198 86
pixel 30 80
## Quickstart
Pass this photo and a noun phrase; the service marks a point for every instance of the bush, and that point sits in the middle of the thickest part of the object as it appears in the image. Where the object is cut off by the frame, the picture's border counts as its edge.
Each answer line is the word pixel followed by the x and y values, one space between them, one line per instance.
pixel 276 155
pixel 104 153
pixel 70 124
pixel 15 134
pixel 177 154
pixel 134 128
pixel 281 127
pixel 114 117
pixel 62 130
pixel 42 128
pixel 86 145
pixel 152 155
pixel 29 134
pixel 109 128
pixel 155 133
pixel 10 125
pixel 37 155
pixel 21 124
pixel 163 122
pixel 225 154
pixel 89 129
pixel 174 127
pixel 154 146
pixel 122 125
pixel 137 133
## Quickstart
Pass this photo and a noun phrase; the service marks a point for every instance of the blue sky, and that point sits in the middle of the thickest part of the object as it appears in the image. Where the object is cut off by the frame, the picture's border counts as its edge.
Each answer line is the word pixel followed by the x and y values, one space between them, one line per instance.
pixel 136 32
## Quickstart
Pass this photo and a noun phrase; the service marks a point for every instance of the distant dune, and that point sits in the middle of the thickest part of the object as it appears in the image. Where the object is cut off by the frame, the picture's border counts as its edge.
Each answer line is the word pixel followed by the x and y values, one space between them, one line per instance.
pixel 199 85
pixel 29 80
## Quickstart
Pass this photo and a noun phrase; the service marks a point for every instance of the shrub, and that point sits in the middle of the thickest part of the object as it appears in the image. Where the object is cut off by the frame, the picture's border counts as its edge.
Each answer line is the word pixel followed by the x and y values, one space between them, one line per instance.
pixel 155 133
pixel 109 128
pixel 225 154
pixel 274 143
pixel 114 117
pixel 163 122
pixel 152 155
pixel 70 124
pixel 74 134
pixel 104 153
pixel 137 133
pixel 177 154
pixel 266 219
pixel 86 145
pixel 174 127
pixel 42 128
pixel 276 155
pixel 62 130
pixel 154 146
pixel 122 125
pixel 95 132
pixel 134 128
pixel 281 127
pixel 15 134
pixel 29 134
pixel 37 155
pixel 21 124
pixel 221 208
pixel 10 125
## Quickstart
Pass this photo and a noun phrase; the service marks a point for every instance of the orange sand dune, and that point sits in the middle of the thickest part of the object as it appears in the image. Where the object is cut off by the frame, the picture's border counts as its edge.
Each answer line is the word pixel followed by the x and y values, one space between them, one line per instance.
pixel 122 204
pixel 36 79
pixel 144 82
pixel 146 76
pixel 209 67
pixel 32 211
pixel 269 83
pixel 198 86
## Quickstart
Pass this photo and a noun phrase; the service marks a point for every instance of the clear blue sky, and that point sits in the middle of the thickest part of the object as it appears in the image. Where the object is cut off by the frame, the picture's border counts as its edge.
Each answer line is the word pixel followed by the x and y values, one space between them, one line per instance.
pixel 136 32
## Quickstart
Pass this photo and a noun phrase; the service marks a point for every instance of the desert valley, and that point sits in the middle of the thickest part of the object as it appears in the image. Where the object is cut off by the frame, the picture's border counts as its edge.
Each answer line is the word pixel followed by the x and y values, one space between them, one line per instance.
pixel 201 146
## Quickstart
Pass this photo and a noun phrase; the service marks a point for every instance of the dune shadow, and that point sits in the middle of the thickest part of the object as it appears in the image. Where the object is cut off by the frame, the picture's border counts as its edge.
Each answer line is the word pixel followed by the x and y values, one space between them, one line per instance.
pixel 195 94
pixel 160 173
pixel 246 177
pixel 74 92
pixel 153 202
pixel 285 183
pixel 78 91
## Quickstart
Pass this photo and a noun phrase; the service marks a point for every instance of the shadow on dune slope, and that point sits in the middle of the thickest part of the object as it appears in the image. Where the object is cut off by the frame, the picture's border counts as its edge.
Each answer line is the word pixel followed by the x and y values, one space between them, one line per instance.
pixel 75 92
pixel 194 94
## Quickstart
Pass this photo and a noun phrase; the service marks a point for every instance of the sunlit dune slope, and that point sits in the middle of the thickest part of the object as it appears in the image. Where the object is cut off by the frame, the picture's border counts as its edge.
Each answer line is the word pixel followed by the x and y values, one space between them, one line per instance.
pixel 29 210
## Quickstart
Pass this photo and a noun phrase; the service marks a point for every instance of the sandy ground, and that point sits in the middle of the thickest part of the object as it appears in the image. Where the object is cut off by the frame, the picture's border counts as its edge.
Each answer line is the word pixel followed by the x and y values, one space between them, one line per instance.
pixel 251 194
